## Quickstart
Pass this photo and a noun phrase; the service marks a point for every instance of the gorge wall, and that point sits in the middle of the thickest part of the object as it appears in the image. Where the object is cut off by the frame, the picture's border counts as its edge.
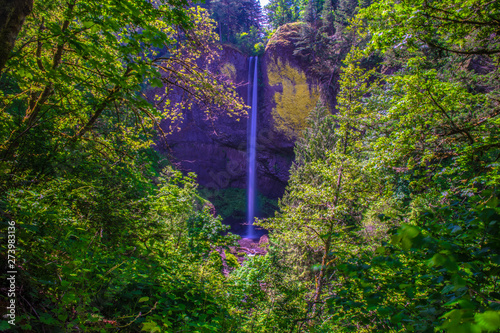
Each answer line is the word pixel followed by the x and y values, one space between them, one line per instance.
pixel 216 149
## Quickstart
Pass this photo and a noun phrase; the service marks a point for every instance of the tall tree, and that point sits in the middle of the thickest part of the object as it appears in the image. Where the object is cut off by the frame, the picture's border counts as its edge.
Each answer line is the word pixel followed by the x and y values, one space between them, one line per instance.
pixel 91 61
pixel 344 11
pixel 280 12
pixel 310 12
pixel 12 15
pixel 235 17
pixel 328 189
pixel 328 16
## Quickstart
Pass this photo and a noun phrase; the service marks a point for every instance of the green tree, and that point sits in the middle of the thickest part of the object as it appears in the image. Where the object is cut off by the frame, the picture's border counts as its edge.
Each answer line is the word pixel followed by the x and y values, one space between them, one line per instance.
pixel 91 61
pixel 280 12
pixel 310 12
pixel 235 18
pixel 344 11
pixel 328 192
pixel 432 124
pixel 108 240
pixel 328 16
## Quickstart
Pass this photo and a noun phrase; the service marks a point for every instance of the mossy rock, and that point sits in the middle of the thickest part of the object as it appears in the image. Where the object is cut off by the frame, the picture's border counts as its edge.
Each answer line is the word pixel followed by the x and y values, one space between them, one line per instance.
pixel 285 34
pixel 295 96
pixel 231 260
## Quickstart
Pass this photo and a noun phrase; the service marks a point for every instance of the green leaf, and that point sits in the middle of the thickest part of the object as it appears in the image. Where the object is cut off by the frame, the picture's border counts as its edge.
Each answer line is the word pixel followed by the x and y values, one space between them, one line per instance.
pixel 489 320
pixel 156 83
pixel 437 260
pixel 47 319
pixel 493 202
pixel 4 325
pixel 143 299
pixel 87 24
pixel 62 317
pixel 151 327
pixel 447 289
pixel 411 231
pixel 458 281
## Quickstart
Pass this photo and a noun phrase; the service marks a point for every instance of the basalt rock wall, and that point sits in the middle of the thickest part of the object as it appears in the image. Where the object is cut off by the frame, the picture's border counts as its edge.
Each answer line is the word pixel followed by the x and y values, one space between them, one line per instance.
pixel 216 149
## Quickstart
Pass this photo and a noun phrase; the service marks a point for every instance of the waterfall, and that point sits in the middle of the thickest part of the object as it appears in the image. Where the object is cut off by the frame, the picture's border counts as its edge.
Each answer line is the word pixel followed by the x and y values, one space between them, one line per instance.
pixel 251 148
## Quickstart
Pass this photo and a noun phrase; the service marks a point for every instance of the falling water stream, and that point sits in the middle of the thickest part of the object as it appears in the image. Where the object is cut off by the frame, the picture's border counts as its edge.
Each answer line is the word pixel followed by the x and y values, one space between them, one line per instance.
pixel 251 147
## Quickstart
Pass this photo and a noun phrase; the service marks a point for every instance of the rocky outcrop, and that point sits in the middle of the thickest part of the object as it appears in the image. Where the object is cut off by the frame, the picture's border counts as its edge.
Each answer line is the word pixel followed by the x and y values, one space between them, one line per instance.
pixel 289 93
pixel 216 150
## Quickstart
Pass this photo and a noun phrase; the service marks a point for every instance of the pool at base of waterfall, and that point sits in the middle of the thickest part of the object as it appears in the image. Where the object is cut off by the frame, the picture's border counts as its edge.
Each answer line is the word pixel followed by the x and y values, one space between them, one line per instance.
pixel 240 228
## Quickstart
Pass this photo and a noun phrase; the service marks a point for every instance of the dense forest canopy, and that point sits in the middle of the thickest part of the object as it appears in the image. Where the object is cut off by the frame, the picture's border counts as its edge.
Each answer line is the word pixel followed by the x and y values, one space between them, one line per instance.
pixel 238 23
pixel 391 218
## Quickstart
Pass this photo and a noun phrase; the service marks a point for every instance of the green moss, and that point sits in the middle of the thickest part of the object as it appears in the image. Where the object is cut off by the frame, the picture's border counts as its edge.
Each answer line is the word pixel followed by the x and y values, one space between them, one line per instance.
pixel 298 98
pixel 285 34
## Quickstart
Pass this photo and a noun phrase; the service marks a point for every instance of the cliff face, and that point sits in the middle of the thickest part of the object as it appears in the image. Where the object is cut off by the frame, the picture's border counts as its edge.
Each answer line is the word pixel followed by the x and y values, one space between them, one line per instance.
pixel 216 151
pixel 290 93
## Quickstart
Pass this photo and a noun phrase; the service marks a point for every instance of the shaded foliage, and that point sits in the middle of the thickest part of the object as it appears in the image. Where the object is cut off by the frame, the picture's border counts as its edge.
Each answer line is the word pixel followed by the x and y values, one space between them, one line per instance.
pixel 108 237
pixel 397 230
pixel 239 23
pixel 390 222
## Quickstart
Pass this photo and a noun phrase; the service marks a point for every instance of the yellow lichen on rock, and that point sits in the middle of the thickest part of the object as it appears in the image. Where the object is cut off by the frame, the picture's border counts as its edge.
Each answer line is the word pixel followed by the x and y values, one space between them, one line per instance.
pixel 298 98
pixel 229 71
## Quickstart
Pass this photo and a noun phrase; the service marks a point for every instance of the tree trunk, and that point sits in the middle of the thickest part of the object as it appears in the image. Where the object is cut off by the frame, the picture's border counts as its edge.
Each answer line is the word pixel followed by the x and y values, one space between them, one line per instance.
pixel 12 15
pixel 328 243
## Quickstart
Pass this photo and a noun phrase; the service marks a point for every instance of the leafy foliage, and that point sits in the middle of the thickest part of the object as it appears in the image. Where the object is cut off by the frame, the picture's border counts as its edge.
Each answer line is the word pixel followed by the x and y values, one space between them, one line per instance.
pixel 107 237
pixel 397 230
pixel 127 262
pixel 239 23
pixel 390 222
pixel 280 12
